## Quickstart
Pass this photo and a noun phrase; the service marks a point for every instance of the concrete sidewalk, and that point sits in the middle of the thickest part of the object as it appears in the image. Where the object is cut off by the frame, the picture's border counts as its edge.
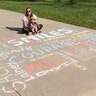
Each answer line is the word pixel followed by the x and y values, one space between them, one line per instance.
pixel 60 61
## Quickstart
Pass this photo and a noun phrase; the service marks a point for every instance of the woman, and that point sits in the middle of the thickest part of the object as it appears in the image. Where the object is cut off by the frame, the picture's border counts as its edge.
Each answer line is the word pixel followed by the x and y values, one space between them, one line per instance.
pixel 26 28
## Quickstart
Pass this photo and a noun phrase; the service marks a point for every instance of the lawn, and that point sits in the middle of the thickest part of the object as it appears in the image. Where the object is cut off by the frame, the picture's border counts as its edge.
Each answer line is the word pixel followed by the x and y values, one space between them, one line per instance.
pixel 80 14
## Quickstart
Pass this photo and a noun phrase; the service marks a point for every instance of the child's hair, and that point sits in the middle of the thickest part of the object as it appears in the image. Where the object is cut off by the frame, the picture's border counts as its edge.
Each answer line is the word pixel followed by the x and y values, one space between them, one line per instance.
pixel 32 18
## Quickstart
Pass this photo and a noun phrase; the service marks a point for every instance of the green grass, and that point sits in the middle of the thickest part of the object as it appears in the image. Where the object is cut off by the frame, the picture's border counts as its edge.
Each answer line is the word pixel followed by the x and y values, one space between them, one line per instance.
pixel 80 14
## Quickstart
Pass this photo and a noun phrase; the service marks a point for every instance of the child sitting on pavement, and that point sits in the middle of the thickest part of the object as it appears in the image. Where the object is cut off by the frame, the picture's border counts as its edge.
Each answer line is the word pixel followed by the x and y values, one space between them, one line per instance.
pixel 33 25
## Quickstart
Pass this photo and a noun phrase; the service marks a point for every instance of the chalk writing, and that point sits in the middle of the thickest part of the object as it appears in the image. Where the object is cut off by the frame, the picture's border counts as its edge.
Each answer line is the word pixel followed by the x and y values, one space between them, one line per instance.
pixel 7 77
pixel 83 68
pixel 31 57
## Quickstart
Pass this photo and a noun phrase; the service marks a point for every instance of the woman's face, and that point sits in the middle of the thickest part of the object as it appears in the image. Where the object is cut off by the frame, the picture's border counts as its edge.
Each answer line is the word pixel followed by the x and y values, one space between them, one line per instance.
pixel 29 12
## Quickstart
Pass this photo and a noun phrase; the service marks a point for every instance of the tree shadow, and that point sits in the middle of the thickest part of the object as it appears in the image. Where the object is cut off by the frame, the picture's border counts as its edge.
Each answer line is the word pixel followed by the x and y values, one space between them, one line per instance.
pixel 18 30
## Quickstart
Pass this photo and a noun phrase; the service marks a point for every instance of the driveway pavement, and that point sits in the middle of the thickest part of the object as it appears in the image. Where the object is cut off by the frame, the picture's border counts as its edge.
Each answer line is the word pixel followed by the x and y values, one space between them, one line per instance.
pixel 60 61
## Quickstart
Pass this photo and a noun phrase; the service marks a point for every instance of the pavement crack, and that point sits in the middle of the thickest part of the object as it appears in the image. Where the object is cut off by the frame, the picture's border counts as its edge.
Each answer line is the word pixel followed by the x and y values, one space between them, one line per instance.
pixel 17 92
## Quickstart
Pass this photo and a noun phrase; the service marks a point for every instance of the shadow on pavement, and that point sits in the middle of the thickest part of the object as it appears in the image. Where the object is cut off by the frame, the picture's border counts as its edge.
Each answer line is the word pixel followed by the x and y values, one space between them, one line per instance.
pixel 18 30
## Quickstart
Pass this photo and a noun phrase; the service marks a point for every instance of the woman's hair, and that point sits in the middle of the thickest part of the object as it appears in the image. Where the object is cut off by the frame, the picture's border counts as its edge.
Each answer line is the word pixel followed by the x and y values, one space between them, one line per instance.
pixel 26 14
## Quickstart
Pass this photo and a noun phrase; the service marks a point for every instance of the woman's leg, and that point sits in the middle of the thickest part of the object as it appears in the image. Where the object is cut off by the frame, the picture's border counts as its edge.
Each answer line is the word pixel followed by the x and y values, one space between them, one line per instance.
pixel 26 30
pixel 36 29
pixel 40 27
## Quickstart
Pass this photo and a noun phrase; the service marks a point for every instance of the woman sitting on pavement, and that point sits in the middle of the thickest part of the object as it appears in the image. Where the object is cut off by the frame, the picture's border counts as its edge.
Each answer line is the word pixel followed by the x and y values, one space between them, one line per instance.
pixel 26 19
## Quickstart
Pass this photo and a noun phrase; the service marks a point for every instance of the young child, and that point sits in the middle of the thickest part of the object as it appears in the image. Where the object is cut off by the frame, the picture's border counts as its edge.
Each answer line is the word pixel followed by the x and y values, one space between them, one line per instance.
pixel 33 25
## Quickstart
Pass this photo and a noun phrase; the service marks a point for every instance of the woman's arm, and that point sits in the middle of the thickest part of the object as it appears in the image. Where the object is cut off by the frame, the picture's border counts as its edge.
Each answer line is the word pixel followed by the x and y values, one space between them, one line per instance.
pixel 25 24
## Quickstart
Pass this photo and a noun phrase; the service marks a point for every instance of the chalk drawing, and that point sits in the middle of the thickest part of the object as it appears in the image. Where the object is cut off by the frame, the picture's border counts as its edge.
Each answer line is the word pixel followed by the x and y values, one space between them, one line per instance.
pixel 31 57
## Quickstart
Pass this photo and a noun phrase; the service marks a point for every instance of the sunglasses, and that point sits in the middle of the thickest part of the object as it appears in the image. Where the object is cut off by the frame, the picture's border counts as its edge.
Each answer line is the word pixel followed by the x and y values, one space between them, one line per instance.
pixel 28 11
